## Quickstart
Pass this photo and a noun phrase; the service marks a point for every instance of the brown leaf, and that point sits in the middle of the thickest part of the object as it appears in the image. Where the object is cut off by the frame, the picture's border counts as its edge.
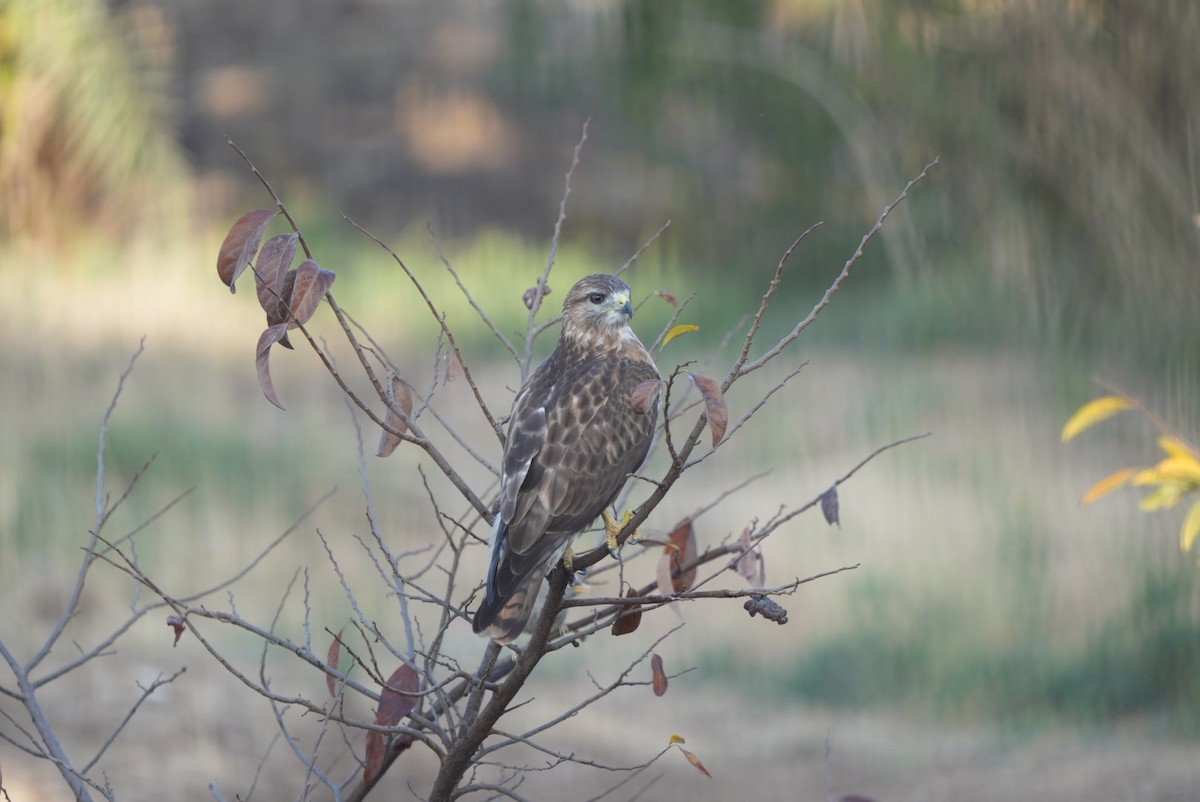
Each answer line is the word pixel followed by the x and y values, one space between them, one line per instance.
pixel 399 397
pixel 758 604
pixel 176 623
pixel 659 676
pixel 530 295
pixel 829 506
pixel 240 245
pixel 312 282
pixel 695 761
pixel 332 659
pixel 645 395
pixel 270 271
pixel 714 405
pixel 747 565
pixel 669 297
pixel 393 706
pixel 269 337
pixel 682 551
pixel 454 368
pixel 629 620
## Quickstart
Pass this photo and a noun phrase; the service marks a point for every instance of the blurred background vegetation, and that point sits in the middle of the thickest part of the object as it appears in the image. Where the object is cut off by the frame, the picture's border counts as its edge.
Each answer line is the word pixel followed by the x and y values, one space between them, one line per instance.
pixel 1058 239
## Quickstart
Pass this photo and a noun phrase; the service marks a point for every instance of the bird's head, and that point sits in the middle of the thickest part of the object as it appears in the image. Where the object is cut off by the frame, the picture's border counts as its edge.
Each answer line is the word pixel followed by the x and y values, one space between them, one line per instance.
pixel 597 309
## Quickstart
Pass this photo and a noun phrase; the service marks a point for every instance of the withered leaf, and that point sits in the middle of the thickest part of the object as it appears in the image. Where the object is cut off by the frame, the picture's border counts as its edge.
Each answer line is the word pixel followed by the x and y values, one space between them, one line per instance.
pixel 530 295
pixel 695 761
pixel 669 297
pixel 454 368
pixel 645 395
pixel 393 706
pixel 262 360
pixel 176 623
pixel 270 271
pixel 658 675
pixel 714 405
pixel 749 563
pixel 399 397
pixel 332 659
pixel 311 284
pixel 240 245
pixel 829 506
pixel 768 608
pixel 681 552
pixel 629 620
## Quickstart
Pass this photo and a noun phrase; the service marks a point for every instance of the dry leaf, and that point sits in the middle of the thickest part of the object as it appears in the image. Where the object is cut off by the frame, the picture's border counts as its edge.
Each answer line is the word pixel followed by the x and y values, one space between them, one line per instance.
pixel 176 623
pixel 669 297
pixel 662 575
pixel 530 295
pixel 394 705
pixel 658 675
pixel 829 506
pixel 629 620
pixel 240 245
pixel 645 395
pixel 399 397
pixel 454 368
pixel 310 285
pixel 332 659
pixel 270 271
pixel 768 608
pixel 269 337
pixel 681 552
pixel 695 761
pixel 714 405
pixel 747 565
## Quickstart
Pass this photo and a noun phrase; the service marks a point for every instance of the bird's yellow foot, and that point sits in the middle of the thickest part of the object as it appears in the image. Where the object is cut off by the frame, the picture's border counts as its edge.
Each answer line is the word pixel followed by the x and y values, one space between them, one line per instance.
pixel 613 527
pixel 568 560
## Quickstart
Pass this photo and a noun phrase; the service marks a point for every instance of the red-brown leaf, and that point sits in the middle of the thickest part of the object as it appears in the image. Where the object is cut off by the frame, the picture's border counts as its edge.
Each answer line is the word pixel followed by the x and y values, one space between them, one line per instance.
pixel 240 245
pixel 454 368
pixel 262 361
pixel 682 551
pixel 714 405
pixel 659 676
pixel 312 282
pixel 530 295
pixel 399 397
pixel 645 395
pixel 393 706
pixel 332 659
pixel 669 297
pixel 695 761
pixel 270 271
pixel 629 620
pixel 176 623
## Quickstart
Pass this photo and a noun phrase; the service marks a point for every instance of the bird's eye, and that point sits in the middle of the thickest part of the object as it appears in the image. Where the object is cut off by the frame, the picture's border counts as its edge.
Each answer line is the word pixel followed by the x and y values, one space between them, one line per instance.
pixel 596 297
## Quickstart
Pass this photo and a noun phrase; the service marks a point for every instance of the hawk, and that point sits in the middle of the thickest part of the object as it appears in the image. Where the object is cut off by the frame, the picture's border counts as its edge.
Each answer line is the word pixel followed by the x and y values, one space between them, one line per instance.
pixel 574 436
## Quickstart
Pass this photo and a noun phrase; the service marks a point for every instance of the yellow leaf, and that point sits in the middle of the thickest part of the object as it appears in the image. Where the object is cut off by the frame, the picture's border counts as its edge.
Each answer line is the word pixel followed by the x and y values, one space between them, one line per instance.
pixel 1146 476
pixel 677 739
pixel 1191 528
pixel 1093 412
pixel 682 328
pixel 1168 494
pixel 1107 485
pixel 1180 469
pixel 1176 447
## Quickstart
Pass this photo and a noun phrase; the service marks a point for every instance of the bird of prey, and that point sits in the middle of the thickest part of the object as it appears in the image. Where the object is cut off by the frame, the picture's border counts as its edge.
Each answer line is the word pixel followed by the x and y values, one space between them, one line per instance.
pixel 574 436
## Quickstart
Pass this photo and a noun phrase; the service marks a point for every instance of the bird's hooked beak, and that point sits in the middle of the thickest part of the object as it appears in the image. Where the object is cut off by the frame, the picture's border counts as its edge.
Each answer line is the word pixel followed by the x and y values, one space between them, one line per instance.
pixel 622 303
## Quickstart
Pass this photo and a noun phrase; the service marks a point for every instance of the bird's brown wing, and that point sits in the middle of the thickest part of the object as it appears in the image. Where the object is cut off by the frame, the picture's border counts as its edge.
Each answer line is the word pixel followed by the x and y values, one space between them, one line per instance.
pixel 574 438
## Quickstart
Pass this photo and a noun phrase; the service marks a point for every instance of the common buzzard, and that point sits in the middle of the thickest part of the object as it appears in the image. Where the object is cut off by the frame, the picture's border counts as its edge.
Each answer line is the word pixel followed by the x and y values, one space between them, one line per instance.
pixel 574 436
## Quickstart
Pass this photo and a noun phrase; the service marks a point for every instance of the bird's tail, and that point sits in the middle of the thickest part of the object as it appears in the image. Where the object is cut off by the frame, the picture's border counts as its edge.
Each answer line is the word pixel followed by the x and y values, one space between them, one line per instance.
pixel 504 618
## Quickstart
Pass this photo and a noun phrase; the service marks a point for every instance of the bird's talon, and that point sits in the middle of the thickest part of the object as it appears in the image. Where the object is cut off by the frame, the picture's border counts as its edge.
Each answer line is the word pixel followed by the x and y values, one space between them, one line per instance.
pixel 612 528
